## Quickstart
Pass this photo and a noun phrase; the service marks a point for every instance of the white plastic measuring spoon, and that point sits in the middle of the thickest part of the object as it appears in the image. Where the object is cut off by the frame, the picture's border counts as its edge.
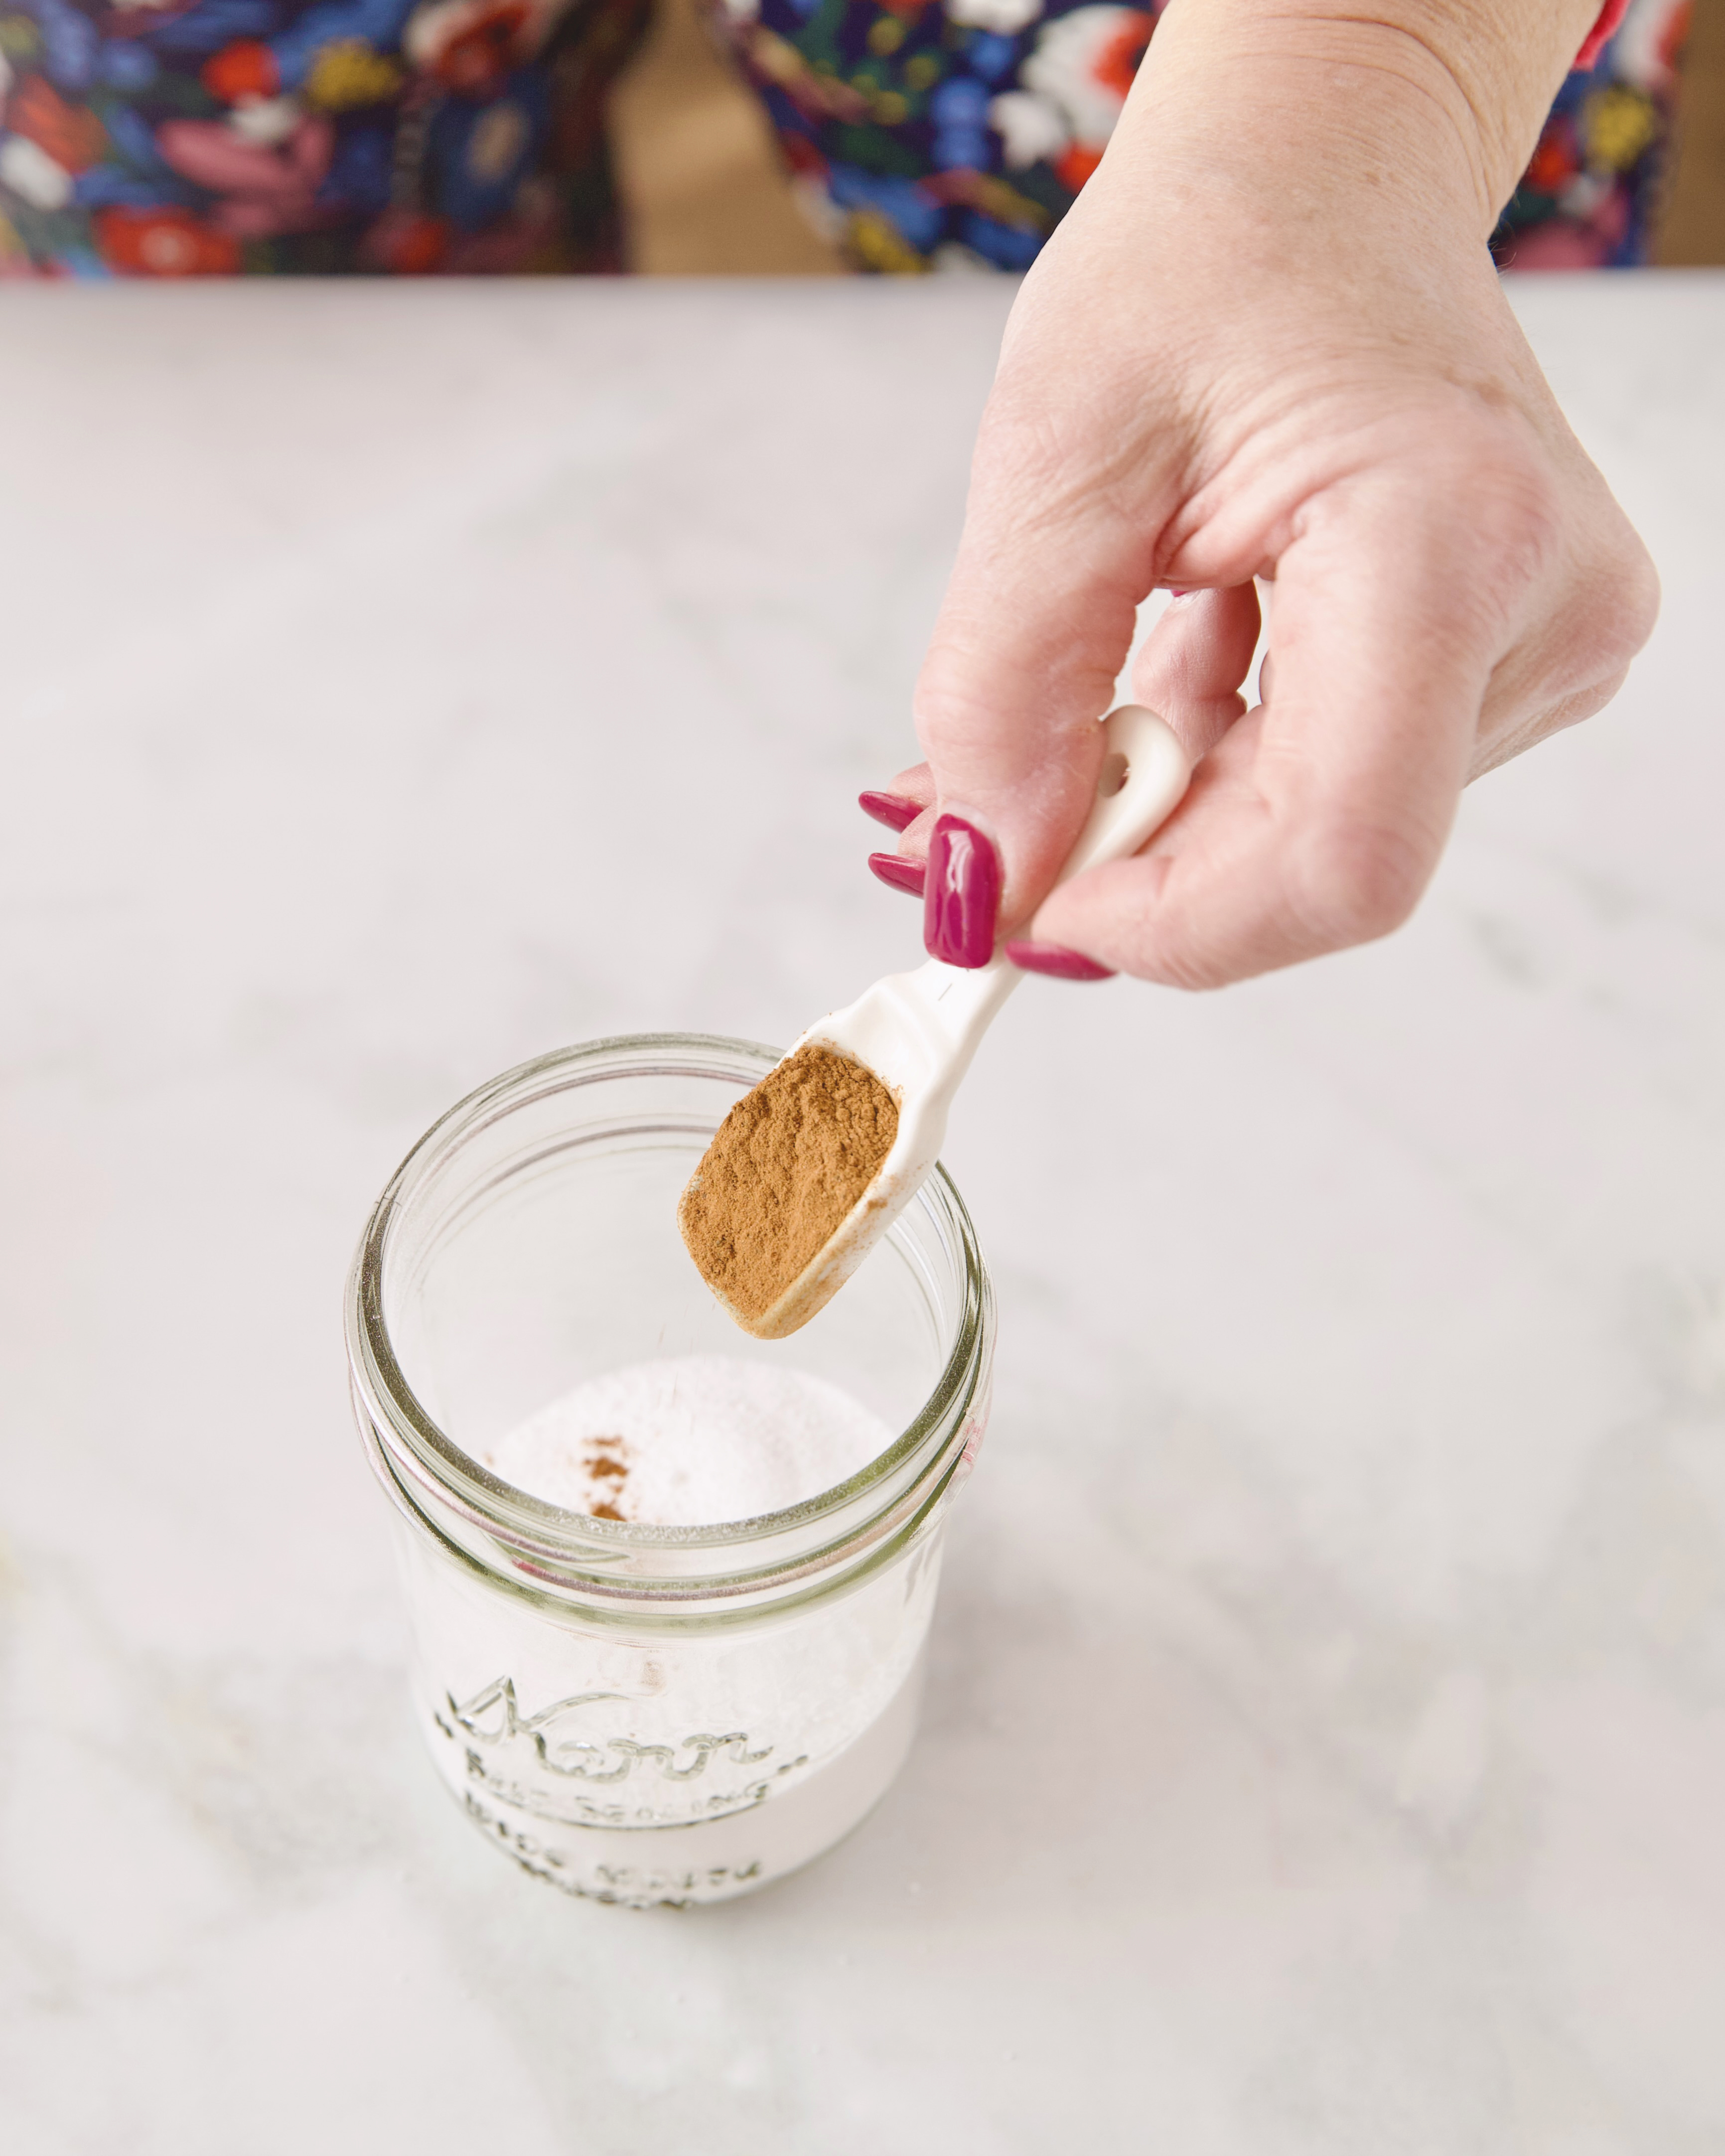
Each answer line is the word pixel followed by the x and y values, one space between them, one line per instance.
pixel 917 1032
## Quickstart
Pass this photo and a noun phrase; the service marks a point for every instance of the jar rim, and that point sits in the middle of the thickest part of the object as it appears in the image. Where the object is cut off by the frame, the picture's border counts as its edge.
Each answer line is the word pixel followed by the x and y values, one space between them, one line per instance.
pixel 423 1464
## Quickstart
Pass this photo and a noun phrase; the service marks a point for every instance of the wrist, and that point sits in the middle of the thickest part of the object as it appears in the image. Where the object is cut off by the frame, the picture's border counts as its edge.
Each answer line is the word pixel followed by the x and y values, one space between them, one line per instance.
pixel 1447 94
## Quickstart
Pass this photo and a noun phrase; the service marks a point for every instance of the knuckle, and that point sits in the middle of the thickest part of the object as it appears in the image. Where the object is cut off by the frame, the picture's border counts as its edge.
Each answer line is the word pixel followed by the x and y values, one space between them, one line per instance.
pixel 1019 420
pixel 1356 880
pixel 1026 467
pixel 1530 515
pixel 1195 973
pixel 1059 455
pixel 1479 482
pixel 1514 506
pixel 1631 601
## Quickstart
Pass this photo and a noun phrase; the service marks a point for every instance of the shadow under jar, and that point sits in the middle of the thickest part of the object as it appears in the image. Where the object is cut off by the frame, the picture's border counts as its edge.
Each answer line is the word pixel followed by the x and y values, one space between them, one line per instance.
pixel 649 1714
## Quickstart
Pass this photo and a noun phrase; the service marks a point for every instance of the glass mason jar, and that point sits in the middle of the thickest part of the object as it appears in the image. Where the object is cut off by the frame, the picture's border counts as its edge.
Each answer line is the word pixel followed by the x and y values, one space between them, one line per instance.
pixel 649 1714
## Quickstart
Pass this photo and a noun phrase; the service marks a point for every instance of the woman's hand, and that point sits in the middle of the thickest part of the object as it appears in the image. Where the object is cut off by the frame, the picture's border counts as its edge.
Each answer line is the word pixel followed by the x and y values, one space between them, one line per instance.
pixel 1269 344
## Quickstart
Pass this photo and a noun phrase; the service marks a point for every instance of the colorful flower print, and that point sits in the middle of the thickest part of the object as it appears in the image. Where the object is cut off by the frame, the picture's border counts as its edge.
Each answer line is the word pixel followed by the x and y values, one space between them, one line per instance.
pixel 474 45
pixel 349 74
pixel 174 138
pixel 68 48
pixel 895 120
pixel 412 137
pixel 1587 198
pixel 481 152
pixel 941 136
pixel 164 242
pixel 260 186
pixel 1082 67
pixel 70 134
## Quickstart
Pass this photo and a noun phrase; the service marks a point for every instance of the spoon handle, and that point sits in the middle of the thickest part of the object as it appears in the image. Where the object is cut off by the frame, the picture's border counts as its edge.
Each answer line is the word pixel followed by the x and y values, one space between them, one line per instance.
pixel 1144 777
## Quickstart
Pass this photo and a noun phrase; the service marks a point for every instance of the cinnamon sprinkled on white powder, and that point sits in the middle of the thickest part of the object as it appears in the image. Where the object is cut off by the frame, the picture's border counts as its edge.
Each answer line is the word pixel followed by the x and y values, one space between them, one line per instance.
pixel 691 1442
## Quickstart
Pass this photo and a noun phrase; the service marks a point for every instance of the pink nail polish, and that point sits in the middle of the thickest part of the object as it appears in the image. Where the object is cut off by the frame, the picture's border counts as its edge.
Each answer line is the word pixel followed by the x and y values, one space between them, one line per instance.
pixel 1180 591
pixel 1055 960
pixel 894 869
pixel 894 810
pixel 962 897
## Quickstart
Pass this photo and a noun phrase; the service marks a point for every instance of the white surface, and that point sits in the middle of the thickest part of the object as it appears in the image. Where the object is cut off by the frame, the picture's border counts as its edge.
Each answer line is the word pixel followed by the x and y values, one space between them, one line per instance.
pixel 693 1439
pixel 1325 1748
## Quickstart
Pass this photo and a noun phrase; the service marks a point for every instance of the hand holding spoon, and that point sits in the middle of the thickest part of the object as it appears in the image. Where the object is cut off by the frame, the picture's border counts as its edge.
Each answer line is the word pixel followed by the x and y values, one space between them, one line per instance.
pixel 917 1032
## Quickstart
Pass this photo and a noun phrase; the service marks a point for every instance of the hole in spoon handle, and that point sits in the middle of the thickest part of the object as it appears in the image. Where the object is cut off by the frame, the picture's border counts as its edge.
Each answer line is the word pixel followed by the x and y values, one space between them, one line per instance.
pixel 1143 776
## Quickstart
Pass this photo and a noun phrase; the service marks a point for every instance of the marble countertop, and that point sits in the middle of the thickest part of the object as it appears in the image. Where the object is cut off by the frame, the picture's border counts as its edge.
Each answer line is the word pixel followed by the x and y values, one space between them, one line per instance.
pixel 399 681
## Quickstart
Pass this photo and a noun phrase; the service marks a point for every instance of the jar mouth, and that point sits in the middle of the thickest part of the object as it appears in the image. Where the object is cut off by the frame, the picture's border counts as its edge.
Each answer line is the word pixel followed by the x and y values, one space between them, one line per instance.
pixel 438 1482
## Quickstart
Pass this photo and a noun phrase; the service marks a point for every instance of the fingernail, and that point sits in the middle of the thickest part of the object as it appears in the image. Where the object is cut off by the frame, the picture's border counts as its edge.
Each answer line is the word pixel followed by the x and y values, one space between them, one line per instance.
pixel 894 810
pixel 962 898
pixel 1056 959
pixel 902 875
pixel 1180 591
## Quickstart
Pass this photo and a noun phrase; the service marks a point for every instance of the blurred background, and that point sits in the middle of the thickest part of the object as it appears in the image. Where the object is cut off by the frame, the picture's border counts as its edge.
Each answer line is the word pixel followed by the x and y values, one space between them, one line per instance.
pixel 200 138
pixel 705 192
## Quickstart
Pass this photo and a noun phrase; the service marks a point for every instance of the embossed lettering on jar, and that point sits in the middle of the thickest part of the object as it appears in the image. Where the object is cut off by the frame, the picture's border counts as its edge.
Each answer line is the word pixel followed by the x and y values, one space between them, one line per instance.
pixel 639 1712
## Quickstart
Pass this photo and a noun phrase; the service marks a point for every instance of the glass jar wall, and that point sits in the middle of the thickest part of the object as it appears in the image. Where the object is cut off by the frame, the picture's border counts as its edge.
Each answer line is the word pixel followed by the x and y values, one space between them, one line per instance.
pixel 649 1714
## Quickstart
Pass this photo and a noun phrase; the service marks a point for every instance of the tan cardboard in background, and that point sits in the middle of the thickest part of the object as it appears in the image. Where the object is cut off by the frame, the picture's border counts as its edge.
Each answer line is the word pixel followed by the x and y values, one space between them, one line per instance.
pixel 1693 229
pixel 705 193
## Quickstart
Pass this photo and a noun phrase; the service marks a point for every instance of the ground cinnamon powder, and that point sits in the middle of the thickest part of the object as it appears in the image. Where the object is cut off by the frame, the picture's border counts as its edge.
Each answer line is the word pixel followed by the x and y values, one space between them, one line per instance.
pixel 784 1167
pixel 606 1460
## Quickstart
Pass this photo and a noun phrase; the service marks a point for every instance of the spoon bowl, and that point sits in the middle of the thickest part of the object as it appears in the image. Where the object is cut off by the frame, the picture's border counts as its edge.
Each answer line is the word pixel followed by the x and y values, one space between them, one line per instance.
pixel 918 1031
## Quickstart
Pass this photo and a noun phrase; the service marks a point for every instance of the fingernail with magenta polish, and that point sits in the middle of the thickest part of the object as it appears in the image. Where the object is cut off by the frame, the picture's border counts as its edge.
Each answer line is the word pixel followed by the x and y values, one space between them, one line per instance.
pixel 894 810
pixel 1056 960
pixel 893 869
pixel 962 897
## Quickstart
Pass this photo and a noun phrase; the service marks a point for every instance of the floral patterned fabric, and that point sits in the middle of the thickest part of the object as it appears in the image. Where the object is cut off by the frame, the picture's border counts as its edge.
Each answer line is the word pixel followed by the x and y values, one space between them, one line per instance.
pixel 214 137
pixel 947 135
pixel 940 136
pixel 936 134
pixel 1588 198
pixel 174 138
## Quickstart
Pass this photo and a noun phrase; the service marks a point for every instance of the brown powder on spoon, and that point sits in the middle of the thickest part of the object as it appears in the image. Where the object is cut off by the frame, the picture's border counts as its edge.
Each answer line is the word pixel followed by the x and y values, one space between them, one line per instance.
pixel 784 1167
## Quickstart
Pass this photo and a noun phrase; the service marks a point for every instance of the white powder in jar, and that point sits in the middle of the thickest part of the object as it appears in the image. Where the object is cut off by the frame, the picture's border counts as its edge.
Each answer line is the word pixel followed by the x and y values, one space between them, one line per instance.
pixel 689 1442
